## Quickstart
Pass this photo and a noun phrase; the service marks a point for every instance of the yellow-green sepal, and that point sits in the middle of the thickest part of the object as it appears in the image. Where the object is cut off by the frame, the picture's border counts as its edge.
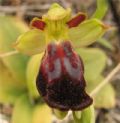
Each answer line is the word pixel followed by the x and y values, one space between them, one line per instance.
pixel 85 116
pixel 87 32
pixel 32 42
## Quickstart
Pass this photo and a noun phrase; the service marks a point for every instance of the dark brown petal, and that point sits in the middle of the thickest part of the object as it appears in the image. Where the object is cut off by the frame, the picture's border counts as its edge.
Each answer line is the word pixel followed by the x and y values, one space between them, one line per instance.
pixel 75 21
pixel 37 23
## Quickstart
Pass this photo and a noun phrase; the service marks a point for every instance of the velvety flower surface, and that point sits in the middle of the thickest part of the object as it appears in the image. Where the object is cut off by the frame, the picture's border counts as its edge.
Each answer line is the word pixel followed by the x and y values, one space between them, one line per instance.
pixel 60 80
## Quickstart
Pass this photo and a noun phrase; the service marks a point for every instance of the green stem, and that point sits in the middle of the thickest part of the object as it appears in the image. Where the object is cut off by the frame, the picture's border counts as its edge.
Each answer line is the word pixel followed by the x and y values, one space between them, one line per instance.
pixel 8 53
pixel 102 7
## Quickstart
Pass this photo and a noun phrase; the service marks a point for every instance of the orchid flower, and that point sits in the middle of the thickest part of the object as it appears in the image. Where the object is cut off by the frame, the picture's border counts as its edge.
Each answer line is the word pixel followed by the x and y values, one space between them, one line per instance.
pixel 60 80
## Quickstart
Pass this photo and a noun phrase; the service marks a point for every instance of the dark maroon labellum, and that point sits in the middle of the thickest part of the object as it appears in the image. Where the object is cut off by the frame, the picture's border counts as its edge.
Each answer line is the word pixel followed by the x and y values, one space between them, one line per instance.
pixel 60 80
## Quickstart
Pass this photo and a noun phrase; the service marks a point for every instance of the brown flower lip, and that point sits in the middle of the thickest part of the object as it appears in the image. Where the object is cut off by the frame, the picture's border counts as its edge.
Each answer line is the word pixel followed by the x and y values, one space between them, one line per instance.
pixel 60 80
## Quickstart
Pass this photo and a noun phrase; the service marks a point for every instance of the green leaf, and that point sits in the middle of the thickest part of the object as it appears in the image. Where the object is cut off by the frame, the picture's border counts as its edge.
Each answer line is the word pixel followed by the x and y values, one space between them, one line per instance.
pixel 23 111
pixel 105 98
pixel 9 31
pixel 92 84
pixel 60 114
pixel 32 71
pixel 102 7
pixel 31 42
pixel 86 116
pixel 106 44
pixel 102 98
pixel 42 114
pixel 10 89
pixel 26 112
pixel 87 32
pixel 94 61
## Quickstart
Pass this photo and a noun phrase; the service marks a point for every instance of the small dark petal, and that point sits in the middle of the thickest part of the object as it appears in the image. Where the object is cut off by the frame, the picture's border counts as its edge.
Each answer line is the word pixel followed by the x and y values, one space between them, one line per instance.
pixel 76 20
pixel 39 24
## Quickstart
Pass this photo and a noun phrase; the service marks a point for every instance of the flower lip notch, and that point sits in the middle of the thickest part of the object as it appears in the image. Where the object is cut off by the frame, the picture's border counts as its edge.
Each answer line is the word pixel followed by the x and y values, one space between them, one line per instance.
pixel 60 80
